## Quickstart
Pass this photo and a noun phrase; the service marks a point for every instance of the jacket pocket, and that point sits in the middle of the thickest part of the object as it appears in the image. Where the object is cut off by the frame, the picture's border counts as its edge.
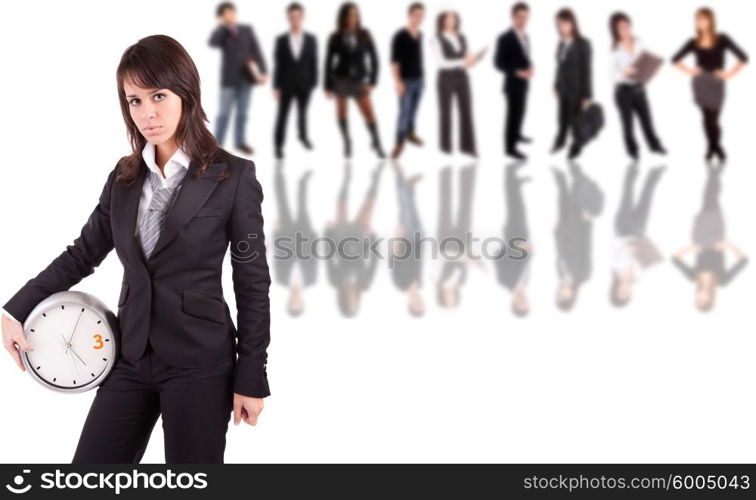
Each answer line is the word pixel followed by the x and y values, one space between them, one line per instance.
pixel 124 294
pixel 203 305
pixel 208 212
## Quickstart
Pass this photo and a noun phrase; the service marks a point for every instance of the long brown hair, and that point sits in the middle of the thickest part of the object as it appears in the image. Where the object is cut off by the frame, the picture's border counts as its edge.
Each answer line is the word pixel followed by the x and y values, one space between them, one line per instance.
pixel 566 14
pixel 708 14
pixel 342 18
pixel 441 20
pixel 614 21
pixel 160 62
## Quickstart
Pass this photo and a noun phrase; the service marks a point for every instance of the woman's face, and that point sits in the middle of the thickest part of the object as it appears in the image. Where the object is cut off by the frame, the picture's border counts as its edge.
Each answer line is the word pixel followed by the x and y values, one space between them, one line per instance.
pixel 352 18
pixel 564 28
pixel 703 23
pixel 156 112
pixel 450 22
pixel 625 30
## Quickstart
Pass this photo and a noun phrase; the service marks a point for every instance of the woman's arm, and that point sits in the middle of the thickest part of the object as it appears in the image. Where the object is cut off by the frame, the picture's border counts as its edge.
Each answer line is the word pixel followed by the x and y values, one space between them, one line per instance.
pixel 680 54
pixel 373 58
pixel 251 279
pixel 587 72
pixel 329 58
pixel 75 263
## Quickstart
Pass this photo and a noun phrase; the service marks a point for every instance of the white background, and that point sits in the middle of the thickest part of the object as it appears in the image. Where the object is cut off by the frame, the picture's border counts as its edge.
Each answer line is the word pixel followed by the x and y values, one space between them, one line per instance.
pixel 655 382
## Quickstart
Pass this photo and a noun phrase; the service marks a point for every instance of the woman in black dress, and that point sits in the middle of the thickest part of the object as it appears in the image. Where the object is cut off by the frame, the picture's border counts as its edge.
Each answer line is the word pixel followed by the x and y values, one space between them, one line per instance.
pixel 709 74
pixel 351 70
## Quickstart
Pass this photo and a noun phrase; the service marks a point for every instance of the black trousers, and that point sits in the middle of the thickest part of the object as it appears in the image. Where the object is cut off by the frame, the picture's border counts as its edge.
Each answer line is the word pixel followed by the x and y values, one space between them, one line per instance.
pixel 631 100
pixel 454 82
pixel 195 404
pixel 569 108
pixel 303 99
pixel 515 114
pixel 711 128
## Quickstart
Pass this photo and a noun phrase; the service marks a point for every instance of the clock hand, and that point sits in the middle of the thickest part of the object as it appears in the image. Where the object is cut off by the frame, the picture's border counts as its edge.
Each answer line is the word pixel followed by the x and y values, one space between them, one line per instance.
pixel 75 326
pixel 82 361
pixel 64 343
pixel 73 361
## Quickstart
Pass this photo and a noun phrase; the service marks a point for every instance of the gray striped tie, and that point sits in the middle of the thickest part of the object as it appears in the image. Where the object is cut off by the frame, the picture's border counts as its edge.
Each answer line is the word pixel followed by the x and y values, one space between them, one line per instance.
pixel 162 198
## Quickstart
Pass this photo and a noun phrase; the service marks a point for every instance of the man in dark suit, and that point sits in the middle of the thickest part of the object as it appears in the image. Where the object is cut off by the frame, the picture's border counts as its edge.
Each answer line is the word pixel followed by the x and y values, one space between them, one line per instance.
pixel 294 76
pixel 513 59
pixel 240 50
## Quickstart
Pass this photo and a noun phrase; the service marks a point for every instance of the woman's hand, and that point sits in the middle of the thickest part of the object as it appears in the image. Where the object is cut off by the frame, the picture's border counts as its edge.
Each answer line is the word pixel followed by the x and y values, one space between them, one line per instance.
pixel 586 103
pixel 13 333
pixel 329 94
pixel 247 408
pixel 368 88
pixel 470 60
pixel 722 75
pixel 399 88
pixel 629 71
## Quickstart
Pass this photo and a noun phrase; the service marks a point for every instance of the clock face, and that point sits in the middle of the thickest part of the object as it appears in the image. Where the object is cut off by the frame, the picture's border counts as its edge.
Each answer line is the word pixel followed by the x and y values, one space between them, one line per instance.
pixel 72 345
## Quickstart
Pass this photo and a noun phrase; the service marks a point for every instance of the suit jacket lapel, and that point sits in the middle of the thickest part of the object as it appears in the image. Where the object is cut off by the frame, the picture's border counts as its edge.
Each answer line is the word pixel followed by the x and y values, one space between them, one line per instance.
pixel 126 199
pixel 192 195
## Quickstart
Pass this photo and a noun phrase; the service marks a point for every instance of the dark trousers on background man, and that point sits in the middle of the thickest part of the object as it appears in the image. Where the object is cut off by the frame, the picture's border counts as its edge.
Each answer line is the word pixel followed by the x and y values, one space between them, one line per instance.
pixel 302 99
pixel 515 114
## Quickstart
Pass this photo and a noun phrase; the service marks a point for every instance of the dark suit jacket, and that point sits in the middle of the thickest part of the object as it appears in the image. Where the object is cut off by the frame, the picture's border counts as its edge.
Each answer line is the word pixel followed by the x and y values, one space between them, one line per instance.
pixel 573 77
pixel 295 75
pixel 510 57
pixel 359 63
pixel 175 297
pixel 236 51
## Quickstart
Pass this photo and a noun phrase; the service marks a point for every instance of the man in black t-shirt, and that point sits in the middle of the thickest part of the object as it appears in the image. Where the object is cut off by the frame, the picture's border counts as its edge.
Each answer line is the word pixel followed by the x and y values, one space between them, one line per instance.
pixel 407 68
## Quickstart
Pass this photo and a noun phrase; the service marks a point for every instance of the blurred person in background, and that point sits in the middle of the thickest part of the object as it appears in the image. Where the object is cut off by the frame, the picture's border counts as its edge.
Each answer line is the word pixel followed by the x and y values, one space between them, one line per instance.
pixel 709 75
pixel 351 71
pixel 513 59
pixel 295 74
pixel 242 66
pixel 453 59
pixel 572 85
pixel 407 70
pixel 629 94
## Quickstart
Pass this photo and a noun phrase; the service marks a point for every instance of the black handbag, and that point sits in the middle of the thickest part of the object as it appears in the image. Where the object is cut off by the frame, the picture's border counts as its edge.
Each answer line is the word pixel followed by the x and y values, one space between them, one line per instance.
pixel 588 123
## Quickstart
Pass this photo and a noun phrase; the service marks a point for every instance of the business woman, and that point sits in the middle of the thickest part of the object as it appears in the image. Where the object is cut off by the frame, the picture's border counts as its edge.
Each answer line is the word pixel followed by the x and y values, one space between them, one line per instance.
pixel 351 70
pixel 572 85
pixel 629 93
pixel 453 60
pixel 170 209
pixel 709 47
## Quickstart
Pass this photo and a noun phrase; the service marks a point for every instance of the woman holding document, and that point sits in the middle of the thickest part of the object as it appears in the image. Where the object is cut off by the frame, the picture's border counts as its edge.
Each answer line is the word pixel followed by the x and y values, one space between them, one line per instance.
pixel 453 60
pixel 631 67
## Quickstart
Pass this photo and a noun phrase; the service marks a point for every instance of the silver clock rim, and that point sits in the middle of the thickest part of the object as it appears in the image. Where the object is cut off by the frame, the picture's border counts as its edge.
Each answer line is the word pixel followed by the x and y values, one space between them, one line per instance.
pixel 94 304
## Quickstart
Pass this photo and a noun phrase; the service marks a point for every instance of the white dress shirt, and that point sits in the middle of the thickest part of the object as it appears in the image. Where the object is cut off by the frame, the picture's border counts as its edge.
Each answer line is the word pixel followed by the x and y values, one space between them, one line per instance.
pixel 523 39
pixel 621 59
pixel 441 60
pixel 178 161
pixel 566 42
pixel 296 41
